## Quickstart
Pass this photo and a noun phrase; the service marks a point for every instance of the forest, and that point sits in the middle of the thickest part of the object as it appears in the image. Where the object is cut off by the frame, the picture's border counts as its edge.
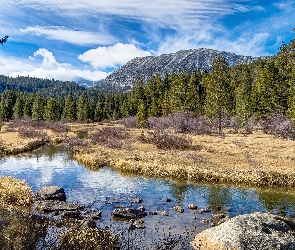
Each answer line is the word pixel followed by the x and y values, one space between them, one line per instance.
pixel 260 89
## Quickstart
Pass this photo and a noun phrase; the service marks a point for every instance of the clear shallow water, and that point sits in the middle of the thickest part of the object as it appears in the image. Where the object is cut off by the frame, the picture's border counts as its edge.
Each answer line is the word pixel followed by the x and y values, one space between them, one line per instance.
pixel 53 166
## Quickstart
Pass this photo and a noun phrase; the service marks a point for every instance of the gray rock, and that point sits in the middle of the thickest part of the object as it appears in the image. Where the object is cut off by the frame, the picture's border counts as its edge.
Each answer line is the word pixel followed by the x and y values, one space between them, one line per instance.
pixel 136 224
pixel 96 215
pixel 129 213
pixel 248 231
pixel 192 206
pixel 71 214
pixel 164 213
pixel 48 206
pixel 136 200
pixel 51 193
pixel 178 209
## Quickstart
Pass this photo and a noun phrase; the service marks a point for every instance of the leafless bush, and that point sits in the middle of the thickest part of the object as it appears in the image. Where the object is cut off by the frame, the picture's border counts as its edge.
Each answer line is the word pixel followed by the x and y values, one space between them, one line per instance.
pixel 111 137
pixel 129 122
pixel 183 122
pixel 19 124
pixel 164 140
pixel 279 125
pixel 73 142
pixel 29 132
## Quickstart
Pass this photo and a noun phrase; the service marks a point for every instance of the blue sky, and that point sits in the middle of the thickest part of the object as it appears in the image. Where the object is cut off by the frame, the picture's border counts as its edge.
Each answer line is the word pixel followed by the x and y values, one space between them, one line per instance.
pixel 71 40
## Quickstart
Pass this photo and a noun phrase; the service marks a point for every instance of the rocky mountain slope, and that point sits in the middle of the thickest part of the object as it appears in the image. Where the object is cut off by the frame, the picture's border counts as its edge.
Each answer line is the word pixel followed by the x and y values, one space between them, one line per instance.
pixel 125 77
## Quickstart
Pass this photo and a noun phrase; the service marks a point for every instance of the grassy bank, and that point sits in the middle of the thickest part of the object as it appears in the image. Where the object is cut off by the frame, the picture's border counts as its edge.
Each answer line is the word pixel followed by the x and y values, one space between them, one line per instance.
pixel 257 159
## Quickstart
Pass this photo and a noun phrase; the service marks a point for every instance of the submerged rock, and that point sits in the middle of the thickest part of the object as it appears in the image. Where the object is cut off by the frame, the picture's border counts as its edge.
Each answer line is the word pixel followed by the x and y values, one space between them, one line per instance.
pixel 129 213
pixel 49 206
pixel 248 231
pixel 192 206
pixel 51 193
pixel 178 209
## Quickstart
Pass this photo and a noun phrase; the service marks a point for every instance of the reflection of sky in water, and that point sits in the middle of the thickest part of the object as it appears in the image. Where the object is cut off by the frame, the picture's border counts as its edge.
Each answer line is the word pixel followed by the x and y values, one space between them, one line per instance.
pixel 52 166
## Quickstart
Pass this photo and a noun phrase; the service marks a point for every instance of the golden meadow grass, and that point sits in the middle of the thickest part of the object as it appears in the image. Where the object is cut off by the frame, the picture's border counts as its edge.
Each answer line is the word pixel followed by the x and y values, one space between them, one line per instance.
pixel 256 159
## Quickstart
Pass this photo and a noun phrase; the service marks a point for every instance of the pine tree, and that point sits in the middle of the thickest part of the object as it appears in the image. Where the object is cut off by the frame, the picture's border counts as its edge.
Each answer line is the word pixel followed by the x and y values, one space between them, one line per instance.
pixel 194 93
pixel 218 91
pixel 18 108
pixel 28 105
pixel 69 111
pixel 291 100
pixel 243 81
pixel 51 112
pixel 83 108
pixel 38 108
pixel 141 116
pixel 6 104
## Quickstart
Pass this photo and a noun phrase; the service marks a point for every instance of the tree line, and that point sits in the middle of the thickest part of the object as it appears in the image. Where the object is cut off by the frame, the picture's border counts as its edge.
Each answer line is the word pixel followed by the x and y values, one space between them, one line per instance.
pixel 258 89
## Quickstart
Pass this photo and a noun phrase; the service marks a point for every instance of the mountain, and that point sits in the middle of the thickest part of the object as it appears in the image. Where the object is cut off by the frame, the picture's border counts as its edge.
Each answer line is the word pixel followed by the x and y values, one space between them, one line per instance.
pixel 125 77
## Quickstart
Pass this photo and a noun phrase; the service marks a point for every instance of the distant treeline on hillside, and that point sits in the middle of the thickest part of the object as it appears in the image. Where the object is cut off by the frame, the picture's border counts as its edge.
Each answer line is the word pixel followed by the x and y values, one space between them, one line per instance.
pixel 246 90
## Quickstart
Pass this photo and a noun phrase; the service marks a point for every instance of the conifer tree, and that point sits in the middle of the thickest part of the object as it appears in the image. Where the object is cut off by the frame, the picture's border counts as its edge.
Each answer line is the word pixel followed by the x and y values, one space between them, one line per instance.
pixel 18 108
pixel 218 91
pixel 291 100
pixel 6 104
pixel 38 108
pixel 194 93
pixel 69 111
pixel 83 107
pixel 243 81
pixel 141 116
pixel 51 112
pixel 28 104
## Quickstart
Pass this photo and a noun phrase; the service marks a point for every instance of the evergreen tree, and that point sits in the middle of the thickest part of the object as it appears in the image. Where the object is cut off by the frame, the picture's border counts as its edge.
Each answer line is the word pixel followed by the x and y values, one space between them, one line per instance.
pixel 141 116
pixel 6 104
pixel 243 81
pixel 218 91
pixel 38 108
pixel 51 112
pixel 69 111
pixel 18 108
pixel 28 105
pixel 83 107
pixel 291 100
pixel 194 93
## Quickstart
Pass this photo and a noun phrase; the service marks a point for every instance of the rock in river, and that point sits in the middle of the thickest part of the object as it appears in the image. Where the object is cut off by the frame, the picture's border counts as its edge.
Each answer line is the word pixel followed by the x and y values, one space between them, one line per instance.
pixel 129 213
pixel 52 206
pixel 248 231
pixel 51 193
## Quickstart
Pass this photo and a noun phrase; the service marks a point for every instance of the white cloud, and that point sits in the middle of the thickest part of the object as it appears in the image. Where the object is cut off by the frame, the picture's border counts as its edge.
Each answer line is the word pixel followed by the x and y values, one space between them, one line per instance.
pixel 70 36
pixel 50 68
pixel 108 57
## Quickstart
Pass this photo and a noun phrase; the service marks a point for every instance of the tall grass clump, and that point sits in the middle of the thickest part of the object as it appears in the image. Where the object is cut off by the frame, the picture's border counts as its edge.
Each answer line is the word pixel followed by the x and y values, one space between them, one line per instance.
pixel 110 137
pixel 75 143
pixel 164 140
pixel 88 238
pixel 15 192
pixel 128 122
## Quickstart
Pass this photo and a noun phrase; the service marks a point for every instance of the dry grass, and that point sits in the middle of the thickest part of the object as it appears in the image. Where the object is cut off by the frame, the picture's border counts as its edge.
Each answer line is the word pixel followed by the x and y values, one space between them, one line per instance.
pixel 257 159
pixel 15 192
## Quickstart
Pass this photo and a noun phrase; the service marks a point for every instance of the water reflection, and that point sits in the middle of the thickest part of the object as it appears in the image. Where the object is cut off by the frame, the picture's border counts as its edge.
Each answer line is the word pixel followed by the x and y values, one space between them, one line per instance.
pixel 53 166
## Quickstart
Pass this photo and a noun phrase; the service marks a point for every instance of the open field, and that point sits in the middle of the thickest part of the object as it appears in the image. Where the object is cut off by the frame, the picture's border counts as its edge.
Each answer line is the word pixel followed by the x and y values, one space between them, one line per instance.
pixel 257 159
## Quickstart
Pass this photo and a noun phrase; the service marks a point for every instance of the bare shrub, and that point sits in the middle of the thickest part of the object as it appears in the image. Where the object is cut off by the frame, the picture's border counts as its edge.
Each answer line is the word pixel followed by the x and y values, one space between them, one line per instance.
pixel 129 122
pixel 111 137
pixel 74 142
pixel 279 126
pixel 20 124
pixel 183 122
pixel 164 140
pixel 29 132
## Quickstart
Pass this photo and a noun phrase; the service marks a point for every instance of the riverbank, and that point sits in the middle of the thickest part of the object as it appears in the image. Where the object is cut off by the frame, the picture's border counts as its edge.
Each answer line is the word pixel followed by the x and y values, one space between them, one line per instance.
pixel 256 159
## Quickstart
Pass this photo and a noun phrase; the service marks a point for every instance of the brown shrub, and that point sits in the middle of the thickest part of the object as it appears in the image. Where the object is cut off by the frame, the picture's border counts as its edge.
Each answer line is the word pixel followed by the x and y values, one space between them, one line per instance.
pixel 164 140
pixel 111 137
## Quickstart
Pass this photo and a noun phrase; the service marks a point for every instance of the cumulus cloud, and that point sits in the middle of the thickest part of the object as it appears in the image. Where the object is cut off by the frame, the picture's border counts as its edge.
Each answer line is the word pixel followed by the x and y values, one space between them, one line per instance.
pixel 108 57
pixel 50 68
pixel 70 36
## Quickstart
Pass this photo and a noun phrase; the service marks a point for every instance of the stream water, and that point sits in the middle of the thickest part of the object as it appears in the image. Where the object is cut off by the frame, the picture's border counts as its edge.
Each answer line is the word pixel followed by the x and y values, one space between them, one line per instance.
pixel 52 165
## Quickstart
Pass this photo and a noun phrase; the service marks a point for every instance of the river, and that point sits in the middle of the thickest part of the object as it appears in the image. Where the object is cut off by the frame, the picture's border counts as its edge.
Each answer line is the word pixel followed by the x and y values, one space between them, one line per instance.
pixel 52 165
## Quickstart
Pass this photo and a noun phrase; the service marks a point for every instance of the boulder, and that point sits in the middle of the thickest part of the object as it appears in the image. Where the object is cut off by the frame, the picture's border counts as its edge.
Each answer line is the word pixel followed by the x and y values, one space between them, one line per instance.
pixel 192 206
pixel 248 231
pixel 49 206
pixel 178 209
pixel 51 193
pixel 129 213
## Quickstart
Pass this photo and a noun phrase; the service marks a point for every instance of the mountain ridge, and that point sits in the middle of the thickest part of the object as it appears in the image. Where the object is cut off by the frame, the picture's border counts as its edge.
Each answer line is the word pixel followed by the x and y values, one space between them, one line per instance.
pixel 125 77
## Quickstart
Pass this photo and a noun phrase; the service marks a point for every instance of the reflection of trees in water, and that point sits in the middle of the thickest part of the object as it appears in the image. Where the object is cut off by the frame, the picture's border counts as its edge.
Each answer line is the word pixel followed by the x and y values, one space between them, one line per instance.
pixel 178 190
pixel 280 203
pixel 218 197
